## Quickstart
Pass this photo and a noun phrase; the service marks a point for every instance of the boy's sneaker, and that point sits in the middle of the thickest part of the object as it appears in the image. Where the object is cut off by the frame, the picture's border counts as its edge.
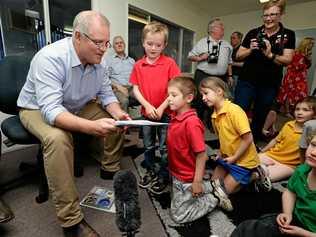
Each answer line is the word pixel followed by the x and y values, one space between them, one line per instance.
pixel 219 193
pixel 158 186
pixel 147 180
pixel 263 182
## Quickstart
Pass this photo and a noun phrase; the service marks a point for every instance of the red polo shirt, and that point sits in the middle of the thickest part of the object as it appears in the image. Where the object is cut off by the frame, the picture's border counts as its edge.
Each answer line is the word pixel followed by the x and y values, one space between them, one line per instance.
pixel 185 139
pixel 152 79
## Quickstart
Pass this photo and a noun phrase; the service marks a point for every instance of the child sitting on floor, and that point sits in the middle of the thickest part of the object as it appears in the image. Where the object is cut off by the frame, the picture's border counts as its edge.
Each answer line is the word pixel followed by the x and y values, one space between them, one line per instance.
pixel 192 198
pixel 238 157
pixel 299 206
pixel 281 155
pixel 309 128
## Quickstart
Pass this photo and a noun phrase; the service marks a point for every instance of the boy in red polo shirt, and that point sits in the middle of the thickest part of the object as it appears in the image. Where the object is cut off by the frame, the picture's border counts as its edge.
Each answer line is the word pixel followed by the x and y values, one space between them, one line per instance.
pixel 150 77
pixel 192 198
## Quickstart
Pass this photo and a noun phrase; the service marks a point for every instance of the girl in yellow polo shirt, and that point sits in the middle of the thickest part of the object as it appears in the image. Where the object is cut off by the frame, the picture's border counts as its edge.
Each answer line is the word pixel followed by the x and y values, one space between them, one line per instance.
pixel 238 158
pixel 281 155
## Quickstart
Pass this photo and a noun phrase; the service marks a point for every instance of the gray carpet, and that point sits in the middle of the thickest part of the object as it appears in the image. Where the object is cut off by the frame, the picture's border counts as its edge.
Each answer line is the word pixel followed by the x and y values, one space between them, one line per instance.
pixel 220 225
pixel 38 220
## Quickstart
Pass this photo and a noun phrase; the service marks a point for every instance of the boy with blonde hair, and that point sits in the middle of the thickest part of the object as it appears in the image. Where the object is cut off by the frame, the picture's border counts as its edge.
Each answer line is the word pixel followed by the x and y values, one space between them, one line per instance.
pixel 150 77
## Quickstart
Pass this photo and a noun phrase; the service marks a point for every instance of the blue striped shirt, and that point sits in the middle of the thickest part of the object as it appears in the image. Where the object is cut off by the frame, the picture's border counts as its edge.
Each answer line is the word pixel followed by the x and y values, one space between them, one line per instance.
pixel 119 69
pixel 58 82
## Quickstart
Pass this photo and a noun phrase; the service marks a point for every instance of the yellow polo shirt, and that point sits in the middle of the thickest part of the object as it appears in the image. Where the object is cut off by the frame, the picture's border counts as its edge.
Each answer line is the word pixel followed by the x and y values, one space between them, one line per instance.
pixel 286 150
pixel 230 123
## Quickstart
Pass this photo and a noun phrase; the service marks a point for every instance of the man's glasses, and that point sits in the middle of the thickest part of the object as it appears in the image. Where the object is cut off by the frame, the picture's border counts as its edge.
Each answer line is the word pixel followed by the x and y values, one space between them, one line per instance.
pixel 271 15
pixel 99 45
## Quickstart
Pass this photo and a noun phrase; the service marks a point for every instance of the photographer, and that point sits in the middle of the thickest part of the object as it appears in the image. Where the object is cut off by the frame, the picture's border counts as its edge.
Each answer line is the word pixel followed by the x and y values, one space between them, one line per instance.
pixel 214 57
pixel 265 50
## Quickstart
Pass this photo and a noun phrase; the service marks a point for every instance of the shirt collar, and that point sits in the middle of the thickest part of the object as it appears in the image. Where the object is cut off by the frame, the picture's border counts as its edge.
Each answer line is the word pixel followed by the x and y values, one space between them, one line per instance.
pixel 159 60
pixel 75 61
pixel 213 40
pixel 281 29
pixel 117 56
pixel 223 110
pixel 292 124
pixel 183 116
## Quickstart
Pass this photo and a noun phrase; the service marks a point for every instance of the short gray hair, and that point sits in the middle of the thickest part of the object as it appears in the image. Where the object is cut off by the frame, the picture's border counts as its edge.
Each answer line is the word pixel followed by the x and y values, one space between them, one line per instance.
pixel 118 37
pixel 213 22
pixel 84 19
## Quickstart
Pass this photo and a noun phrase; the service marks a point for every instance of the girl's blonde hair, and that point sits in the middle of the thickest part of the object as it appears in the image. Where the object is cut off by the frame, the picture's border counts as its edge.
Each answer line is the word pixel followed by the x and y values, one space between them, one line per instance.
pixel 306 46
pixel 156 27
pixel 278 3
pixel 214 83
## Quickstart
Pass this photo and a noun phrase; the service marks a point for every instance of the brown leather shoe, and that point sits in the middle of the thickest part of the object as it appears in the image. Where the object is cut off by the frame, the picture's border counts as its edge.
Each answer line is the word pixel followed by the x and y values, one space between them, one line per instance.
pixel 82 229
pixel 5 212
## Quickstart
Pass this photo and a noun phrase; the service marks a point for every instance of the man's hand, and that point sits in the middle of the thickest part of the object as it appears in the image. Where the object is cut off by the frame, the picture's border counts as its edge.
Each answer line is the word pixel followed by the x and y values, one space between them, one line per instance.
pixel 230 81
pixel 196 189
pixel 120 88
pixel 203 57
pixel 102 127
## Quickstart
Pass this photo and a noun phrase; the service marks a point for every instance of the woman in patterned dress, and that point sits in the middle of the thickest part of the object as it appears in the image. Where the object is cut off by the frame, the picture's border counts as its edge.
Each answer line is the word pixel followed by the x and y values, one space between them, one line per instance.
pixel 294 85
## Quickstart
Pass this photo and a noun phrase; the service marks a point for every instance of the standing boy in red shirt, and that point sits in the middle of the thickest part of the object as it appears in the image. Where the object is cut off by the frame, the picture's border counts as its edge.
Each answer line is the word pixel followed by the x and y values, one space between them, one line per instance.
pixel 150 77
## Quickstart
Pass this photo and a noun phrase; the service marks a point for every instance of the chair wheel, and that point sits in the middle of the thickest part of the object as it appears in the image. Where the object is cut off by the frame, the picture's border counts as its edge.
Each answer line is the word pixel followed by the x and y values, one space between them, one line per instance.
pixel 41 198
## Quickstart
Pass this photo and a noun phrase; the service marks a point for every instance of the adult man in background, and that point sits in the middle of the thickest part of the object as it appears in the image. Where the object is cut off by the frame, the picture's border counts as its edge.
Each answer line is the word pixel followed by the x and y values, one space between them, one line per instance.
pixel 66 93
pixel 120 67
pixel 235 41
pixel 213 57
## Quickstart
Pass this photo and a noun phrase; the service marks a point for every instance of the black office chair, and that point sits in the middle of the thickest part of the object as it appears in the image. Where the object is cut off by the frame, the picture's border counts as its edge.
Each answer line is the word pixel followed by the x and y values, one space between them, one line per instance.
pixel 13 72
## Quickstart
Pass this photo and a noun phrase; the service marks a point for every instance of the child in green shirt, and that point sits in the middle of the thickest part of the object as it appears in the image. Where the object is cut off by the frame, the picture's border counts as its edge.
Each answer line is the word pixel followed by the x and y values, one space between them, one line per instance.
pixel 299 205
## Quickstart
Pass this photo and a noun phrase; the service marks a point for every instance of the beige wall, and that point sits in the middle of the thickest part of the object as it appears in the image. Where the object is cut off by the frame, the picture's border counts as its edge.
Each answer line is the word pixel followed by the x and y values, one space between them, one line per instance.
pixel 182 13
pixel 298 16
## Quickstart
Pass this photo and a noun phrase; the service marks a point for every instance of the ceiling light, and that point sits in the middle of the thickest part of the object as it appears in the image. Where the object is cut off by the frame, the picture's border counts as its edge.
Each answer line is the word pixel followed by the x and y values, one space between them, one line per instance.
pixel 263 1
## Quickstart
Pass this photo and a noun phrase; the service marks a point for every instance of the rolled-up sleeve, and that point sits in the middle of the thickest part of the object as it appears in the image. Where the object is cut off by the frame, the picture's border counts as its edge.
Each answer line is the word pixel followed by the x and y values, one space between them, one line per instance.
pixel 48 76
pixel 106 94
pixel 197 49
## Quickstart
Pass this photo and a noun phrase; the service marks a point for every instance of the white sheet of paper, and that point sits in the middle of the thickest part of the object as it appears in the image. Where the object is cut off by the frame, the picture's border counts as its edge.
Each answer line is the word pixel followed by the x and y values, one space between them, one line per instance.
pixel 138 123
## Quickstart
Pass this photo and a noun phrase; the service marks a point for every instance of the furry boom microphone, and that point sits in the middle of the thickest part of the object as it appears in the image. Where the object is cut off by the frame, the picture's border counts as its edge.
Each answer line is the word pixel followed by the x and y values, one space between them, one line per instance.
pixel 126 203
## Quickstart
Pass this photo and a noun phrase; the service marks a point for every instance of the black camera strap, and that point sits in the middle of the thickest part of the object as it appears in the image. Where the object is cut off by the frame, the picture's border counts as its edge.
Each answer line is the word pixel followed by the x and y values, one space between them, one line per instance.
pixel 208 47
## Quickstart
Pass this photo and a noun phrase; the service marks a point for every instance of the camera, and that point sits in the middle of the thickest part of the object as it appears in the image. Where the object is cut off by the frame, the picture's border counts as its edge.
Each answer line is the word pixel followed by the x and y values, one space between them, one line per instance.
pixel 213 55
pixel 260 40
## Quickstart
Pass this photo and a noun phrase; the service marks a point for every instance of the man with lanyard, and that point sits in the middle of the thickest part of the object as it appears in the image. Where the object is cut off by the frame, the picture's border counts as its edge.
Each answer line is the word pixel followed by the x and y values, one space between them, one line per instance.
pixel 214 58
pixel 120 67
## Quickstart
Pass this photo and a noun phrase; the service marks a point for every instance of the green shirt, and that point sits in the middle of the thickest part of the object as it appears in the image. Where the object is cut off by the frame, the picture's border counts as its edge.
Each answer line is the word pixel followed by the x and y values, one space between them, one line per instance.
pixel 305 205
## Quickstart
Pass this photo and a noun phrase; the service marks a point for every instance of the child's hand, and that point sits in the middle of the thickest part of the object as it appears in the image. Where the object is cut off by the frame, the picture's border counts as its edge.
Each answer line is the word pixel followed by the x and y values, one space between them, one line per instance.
pixel 293 230
pixel 230 159
pixel 284 219
pixel 151 112
pixel 159 113
pixel 196 189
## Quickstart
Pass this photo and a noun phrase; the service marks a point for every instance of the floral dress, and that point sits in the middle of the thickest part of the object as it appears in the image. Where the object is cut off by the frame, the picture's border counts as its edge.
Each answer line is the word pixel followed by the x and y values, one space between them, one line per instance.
pixel 294 84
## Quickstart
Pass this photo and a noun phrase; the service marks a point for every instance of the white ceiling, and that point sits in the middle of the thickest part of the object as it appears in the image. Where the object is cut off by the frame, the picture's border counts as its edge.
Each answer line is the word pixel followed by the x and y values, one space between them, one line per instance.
pixel 227 7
